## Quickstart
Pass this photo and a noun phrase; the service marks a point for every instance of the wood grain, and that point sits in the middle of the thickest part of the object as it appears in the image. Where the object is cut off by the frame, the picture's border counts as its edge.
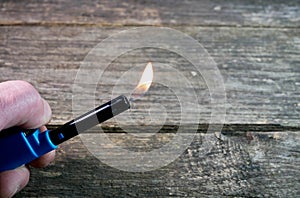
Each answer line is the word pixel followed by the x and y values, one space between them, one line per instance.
pixel 240 164
pixel 255 45
pixel 190 13
pixel 259 68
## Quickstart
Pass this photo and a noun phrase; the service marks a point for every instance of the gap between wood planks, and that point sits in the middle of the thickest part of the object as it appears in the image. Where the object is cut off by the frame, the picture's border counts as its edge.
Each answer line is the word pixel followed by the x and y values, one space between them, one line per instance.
pixel 228 129
pixel 108 25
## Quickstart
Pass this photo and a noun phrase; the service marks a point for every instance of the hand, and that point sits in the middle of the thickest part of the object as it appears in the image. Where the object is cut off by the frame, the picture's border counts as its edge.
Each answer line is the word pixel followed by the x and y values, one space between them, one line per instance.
pixel 21 105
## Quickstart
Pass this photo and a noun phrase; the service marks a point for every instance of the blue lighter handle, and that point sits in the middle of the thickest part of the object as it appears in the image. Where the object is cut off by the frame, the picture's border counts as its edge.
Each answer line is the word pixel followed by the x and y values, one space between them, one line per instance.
pixel 18 149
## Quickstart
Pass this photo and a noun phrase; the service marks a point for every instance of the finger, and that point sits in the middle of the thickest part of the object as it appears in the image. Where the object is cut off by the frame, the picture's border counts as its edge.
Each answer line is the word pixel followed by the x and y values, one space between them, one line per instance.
pixel 22 105
pixel 13 181
pixel 44 160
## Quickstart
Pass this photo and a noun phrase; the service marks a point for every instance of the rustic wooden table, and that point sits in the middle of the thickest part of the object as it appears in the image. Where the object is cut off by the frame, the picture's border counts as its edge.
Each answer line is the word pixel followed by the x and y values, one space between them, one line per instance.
pixel 256 47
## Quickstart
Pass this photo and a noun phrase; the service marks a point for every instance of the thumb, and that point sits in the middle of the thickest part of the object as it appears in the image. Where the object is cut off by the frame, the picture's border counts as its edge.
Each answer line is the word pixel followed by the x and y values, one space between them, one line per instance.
pixel 21 105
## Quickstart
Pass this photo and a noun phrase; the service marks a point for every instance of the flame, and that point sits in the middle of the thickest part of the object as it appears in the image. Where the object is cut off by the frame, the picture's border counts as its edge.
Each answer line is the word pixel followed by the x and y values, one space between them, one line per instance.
pixel 145 82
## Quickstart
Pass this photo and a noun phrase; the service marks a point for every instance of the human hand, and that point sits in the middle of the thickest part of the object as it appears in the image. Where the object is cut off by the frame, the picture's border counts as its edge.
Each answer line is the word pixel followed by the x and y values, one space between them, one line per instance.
pixel 21 105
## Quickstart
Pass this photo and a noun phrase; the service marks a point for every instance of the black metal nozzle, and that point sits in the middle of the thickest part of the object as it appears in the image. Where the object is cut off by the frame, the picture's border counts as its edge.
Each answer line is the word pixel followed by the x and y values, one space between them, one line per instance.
pixel 89 119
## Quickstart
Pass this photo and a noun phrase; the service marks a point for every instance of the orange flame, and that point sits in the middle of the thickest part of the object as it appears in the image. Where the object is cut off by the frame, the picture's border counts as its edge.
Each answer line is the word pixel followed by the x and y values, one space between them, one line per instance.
pixel 145 82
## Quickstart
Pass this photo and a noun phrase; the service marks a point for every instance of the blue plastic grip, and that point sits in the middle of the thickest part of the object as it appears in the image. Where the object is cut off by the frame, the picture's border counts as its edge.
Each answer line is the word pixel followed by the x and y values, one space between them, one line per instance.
pixel 18 149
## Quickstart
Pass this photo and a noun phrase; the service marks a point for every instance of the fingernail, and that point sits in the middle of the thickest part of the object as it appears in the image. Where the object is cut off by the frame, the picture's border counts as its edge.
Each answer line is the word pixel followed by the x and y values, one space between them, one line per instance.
pixel 47 112
pixel 20 179
pixel 22 170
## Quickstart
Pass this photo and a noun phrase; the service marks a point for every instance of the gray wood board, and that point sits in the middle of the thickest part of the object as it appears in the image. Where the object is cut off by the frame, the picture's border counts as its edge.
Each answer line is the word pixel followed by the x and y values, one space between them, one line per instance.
pixel 190 12
pixel 246 164
pixel 260 68
pixel 255 45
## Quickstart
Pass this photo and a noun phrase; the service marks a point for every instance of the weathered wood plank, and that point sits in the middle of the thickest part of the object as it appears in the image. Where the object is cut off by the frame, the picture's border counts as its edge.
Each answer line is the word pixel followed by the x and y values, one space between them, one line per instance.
pixel 255 156
pixel 252 164
pixel 259 67
pixel 190 12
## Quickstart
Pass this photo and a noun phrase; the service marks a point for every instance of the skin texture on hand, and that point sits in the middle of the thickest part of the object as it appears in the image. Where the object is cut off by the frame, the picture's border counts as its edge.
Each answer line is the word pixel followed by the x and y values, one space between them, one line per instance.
pixel 21 105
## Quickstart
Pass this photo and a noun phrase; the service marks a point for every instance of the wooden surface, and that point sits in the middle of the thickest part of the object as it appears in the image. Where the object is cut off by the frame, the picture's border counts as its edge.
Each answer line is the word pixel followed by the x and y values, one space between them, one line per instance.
pixel 245 164
pixel 259 67
pixel 182 13
pixel 255 45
